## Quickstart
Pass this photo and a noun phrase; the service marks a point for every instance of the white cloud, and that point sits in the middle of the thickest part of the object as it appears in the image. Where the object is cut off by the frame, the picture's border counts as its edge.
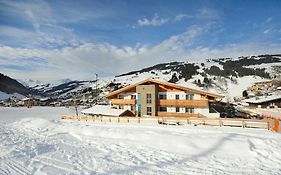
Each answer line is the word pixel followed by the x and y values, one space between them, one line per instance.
pixel 81 62
pixel 181 17
pixel 47 30
pixel 203 13
pixel 269 19
pixel 208 13
pixel 266 31
pixel 155 21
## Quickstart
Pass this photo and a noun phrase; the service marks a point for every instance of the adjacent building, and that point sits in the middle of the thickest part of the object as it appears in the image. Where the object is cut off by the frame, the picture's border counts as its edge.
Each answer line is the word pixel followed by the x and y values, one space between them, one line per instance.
pixel 156 98
pixel 273 101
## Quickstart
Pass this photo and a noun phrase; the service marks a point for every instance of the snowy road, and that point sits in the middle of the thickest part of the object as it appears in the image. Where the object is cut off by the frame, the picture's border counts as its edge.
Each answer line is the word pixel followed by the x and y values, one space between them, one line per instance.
pixel 41 146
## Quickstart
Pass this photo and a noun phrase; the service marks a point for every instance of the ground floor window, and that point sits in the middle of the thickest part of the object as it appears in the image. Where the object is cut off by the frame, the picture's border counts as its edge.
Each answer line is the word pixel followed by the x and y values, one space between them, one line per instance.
pixel 121 107
pixel 148 111
pixel 163 108
pixel 177 109
pixel 189 110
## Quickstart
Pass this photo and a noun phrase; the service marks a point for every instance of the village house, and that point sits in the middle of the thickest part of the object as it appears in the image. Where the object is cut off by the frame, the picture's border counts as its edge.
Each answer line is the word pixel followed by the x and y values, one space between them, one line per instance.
pixel 156 98
pixel 32 101
pixel 264 85
pixel 273 101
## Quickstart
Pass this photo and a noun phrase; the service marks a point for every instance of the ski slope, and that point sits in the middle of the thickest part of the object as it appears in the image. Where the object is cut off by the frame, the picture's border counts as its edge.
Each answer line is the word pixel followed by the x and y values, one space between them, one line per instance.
pixel 38 145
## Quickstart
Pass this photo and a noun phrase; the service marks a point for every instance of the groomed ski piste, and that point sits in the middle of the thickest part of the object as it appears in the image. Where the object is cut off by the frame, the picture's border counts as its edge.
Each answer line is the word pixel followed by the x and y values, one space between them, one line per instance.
pixel 36 141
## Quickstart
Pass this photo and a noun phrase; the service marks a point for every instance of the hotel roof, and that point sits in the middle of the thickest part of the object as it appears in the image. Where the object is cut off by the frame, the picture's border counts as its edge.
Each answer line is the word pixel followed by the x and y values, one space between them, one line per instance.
pixel 166 84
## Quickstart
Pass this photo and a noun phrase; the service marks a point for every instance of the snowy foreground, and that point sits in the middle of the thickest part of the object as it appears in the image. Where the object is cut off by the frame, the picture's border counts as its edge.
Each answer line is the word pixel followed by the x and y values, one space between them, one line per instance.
pixel 47 146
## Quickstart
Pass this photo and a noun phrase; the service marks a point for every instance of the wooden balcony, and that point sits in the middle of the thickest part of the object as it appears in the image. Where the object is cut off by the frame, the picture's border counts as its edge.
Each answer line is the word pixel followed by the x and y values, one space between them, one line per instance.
pixel 183 103
pixel 123 101
pixel 176 114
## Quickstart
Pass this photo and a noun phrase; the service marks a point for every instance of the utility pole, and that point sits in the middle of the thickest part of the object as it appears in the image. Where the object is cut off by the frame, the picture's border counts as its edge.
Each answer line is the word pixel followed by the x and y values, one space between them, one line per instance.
pixel 96 83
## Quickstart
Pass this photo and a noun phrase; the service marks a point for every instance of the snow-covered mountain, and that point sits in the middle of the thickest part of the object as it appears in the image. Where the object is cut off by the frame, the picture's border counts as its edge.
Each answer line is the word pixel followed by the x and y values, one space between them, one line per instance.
pixel 228 76
pixel 10 87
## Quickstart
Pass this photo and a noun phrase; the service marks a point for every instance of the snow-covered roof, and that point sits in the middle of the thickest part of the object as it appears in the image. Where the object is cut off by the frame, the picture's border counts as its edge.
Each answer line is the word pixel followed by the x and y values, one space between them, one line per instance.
pixel 24 99
pixel 44 99
pixel 150 80
pixel 262 100
pixel 103 110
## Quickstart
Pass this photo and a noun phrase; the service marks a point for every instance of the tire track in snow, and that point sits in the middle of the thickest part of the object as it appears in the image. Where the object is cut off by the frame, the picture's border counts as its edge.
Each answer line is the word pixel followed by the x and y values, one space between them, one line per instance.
pixel 16 167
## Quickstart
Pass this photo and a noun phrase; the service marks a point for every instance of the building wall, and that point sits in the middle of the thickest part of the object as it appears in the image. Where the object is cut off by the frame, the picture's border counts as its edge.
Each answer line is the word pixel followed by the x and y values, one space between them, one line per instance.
pixel 126 96
pixel 148 89
pixel 153 90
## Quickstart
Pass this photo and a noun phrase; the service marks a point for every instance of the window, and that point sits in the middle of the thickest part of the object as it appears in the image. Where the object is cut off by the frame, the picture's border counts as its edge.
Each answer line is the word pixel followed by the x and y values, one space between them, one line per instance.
pixel 163 108
pixel 162 96
pixel 133 96
pixel 177 109
pixel 189 96
pixel 177 97
pixel 120 96
pixel 189 110
pixel 133 108
pixel 148 111
pixel 148 98
pixel 121 107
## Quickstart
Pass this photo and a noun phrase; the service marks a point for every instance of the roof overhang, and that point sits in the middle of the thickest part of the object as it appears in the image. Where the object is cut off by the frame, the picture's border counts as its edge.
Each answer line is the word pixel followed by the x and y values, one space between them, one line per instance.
pixel 196 91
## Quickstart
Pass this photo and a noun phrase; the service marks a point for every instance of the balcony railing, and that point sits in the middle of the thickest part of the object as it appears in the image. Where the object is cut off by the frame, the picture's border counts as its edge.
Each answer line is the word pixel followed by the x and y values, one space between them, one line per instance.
pixel 175 114
pixel 183 103
pixel 123 101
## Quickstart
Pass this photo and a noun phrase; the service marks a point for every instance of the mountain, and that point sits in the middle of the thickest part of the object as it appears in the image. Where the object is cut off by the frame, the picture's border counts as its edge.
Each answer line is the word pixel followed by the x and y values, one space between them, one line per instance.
pixel 227 76
pixel 61 89
pixel 10 86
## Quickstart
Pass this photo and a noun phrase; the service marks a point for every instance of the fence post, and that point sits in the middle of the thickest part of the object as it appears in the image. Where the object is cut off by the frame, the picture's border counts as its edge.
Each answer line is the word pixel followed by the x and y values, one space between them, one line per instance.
pixel 268 125
pixel 276 127
pixel 220 122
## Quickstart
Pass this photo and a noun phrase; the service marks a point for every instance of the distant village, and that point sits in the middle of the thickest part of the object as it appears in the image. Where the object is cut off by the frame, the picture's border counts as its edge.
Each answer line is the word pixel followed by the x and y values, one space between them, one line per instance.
pixel 254 99
pixel 86 97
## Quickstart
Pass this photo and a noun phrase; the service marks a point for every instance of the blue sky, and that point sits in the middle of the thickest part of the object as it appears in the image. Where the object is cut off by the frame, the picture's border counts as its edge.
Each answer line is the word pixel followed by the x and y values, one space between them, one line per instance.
pixel 48 40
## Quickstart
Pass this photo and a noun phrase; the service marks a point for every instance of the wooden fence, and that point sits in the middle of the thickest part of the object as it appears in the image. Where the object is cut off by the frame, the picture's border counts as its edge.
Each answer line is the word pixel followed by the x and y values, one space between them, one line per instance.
pixel 268 123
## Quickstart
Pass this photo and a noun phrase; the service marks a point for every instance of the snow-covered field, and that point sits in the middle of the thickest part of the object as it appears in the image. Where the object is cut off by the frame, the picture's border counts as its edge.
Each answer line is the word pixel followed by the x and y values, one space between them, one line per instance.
pixel 42 145
pixel 12 114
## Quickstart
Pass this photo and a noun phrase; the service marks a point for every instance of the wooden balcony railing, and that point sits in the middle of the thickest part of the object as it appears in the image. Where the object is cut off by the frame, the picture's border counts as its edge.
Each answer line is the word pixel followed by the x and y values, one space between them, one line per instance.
pixel 183 103
pixel 123 101
pixel 176 114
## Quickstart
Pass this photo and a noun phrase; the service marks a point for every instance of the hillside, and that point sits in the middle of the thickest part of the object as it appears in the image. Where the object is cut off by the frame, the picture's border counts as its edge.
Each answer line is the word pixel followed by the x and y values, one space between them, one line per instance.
pixel 11 86
pixel 228 76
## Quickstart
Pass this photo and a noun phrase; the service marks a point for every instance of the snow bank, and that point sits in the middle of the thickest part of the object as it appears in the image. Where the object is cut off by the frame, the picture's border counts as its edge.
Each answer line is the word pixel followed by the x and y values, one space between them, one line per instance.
pixel 103 110
pixel 11 114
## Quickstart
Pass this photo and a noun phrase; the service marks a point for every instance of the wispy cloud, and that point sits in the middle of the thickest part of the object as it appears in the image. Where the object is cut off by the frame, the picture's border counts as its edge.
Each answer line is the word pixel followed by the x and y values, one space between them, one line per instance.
pixel 181 17
pixel 155 21
pixel 269 19
pixel 266 31
pixel 208 13
pixel 79 62
pixel 203 13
